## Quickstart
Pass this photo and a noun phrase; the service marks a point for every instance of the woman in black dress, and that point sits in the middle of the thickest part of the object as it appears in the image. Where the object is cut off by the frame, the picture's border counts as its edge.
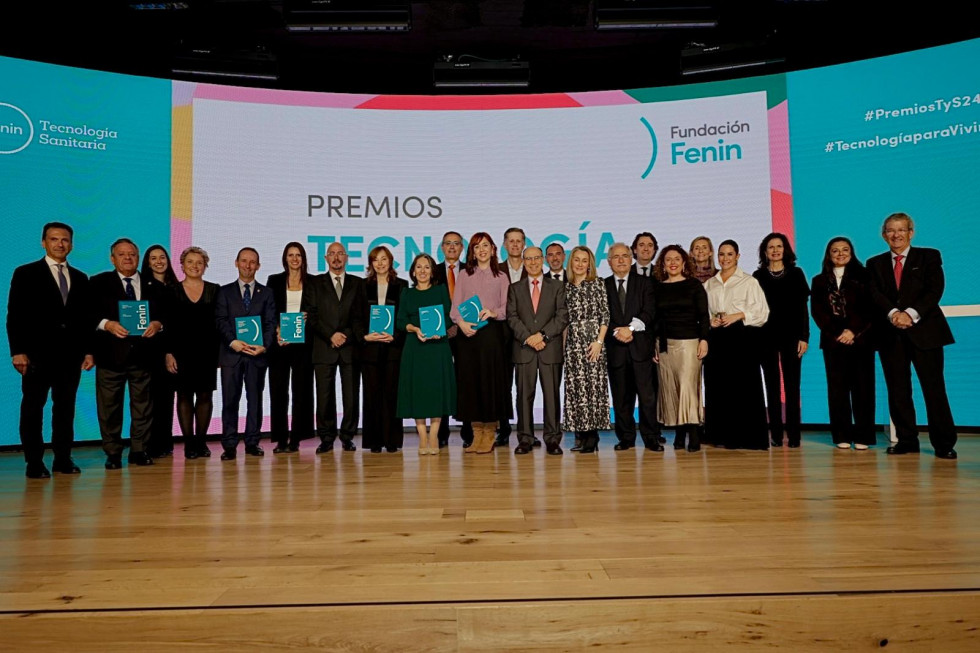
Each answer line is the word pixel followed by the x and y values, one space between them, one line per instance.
pixel 784 335
pixel 290 359
pixel 841 306
pixel 380 357
pixel 158 271
pixel 682 343
pixel 192 350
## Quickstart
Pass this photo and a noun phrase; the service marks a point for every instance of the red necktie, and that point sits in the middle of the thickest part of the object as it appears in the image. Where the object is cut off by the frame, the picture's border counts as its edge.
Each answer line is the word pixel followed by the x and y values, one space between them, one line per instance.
pixel 898 270
pixel 535 295
pixel 452 279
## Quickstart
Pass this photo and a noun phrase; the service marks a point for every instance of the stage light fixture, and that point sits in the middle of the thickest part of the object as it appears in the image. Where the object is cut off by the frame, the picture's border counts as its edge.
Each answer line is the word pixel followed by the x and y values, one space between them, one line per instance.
pixel 468 71
pixel 654 14
pixel 703 59
pixel 347 16
pixel 226 64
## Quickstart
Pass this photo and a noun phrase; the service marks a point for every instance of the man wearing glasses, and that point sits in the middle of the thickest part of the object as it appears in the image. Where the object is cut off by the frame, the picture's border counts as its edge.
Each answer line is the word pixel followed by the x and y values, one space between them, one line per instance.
pixel 447 272
pixel 906 286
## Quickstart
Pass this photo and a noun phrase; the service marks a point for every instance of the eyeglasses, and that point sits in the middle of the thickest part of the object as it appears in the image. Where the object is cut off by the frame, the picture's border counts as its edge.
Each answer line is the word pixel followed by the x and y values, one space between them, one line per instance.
pixel 533 258
pixel 457 243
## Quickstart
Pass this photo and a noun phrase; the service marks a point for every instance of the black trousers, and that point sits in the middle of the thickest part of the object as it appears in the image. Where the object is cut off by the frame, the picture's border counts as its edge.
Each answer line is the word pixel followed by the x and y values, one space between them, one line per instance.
pixel 381 426
pixel 326 400
pixel 61 380
pixel 110 391
pixel 466 428
pixel 851 393
pixel 232 377
pixel 291 367
pixel 897 360
pixel 163 388
pixel 629 382
pixel 781 370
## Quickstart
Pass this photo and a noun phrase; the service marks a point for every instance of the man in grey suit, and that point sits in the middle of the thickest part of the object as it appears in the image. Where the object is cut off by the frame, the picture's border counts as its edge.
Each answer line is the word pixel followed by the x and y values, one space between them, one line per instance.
pixel 336 308
pixel 537 315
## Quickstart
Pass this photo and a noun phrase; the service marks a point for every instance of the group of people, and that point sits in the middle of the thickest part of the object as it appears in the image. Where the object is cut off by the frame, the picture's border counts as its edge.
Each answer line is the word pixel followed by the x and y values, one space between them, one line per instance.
pixel 697 347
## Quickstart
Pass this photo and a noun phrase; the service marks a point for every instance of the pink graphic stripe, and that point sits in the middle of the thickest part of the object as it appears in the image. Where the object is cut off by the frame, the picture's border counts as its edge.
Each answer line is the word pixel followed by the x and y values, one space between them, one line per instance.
pixel 603 98
pixel 469 102
pixel 779 162
pixel 275 96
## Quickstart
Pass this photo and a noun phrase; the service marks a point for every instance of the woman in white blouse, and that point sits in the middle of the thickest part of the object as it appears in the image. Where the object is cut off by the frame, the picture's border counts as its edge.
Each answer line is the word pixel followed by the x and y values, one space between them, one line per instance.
pixel 735 409
pixel 290 364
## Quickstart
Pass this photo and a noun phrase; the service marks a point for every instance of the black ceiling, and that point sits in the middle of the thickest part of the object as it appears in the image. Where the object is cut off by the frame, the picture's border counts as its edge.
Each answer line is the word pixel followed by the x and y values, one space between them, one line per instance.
pixel 557 38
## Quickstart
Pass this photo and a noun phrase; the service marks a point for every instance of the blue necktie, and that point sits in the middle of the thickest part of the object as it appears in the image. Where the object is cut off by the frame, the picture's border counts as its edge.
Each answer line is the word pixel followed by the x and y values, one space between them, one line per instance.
pixel 130 291
pixel 247 297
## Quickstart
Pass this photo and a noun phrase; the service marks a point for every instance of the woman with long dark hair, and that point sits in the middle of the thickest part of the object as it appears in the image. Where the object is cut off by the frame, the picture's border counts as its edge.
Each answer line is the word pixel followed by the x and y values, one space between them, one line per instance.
pixel 784 335
pixel 381 357
pixel 157 270
pixel 192 351
pixel 735 407
pixel 481 353
pixel 841 305
pixel 290 363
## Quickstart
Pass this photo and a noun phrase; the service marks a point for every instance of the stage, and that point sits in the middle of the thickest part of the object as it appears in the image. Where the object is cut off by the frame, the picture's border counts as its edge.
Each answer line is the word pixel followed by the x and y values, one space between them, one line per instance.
pixel 810 548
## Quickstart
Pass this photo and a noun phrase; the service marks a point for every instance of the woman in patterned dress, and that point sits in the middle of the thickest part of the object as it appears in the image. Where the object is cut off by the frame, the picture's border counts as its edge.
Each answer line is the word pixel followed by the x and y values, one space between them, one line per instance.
pixel 585 375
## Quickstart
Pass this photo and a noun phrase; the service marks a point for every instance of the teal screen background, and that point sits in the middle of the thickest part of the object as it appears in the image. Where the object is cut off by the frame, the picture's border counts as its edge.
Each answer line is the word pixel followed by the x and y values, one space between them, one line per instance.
pixel 123 191
pixel 126 190
pixel 851 192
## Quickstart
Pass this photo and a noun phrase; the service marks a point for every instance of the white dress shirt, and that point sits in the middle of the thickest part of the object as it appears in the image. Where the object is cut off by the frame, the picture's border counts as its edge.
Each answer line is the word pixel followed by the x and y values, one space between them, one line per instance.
pixel 636 323
pixel 53 266
pixel 515 275
pixel 137 288
pixel 740 294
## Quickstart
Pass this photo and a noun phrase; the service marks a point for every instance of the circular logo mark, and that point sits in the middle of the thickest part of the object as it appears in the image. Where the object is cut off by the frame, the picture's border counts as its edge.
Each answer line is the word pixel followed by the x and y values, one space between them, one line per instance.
pixel 16 129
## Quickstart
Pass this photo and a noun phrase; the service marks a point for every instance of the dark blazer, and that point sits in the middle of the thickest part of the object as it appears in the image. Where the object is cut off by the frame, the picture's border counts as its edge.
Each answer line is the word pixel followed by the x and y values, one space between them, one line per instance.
pixel 857 309
pixel 39 324
pixel 550 319
pixel 439 274
pixel 277 284
pixel 562 276
pixel 327 315
pixel 640 303
pixel 229 306
pixel 922 288
pixel 636 268
pixel 374 351
pixel 106 291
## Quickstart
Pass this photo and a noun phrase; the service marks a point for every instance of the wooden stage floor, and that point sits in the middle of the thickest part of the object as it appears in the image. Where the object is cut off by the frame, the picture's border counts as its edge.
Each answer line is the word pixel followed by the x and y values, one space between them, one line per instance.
pixel 808 549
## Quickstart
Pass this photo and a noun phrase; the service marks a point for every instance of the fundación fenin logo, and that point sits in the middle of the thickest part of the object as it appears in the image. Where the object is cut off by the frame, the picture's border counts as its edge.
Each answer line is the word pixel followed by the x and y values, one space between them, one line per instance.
pixel 688 146
pixel 16 129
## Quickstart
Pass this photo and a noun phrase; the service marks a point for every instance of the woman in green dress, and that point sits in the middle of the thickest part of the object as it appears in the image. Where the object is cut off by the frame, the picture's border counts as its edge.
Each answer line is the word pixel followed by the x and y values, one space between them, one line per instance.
pixel 427 380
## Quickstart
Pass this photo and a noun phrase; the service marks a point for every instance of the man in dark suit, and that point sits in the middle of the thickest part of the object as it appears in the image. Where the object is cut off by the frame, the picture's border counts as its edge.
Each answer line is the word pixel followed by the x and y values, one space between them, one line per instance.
pixel 336 308
pixel 644 249
pixel 239 360
pixel 555 254
pixel 537 315
pixel 49 330
pixel 446 273
pixel 514 241
pixel 629 351
pixel 122 358
pixel 906 286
